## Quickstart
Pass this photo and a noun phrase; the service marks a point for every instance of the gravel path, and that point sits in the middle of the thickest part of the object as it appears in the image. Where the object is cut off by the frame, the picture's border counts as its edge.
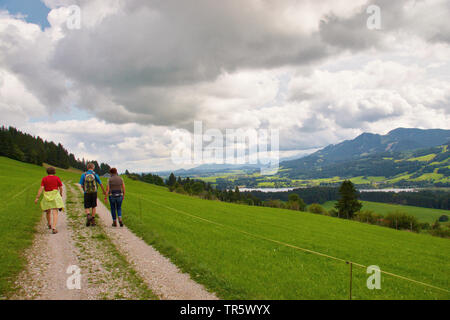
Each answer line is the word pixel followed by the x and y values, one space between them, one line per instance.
pixel 105 273
pixel 48 259
pixel 158 272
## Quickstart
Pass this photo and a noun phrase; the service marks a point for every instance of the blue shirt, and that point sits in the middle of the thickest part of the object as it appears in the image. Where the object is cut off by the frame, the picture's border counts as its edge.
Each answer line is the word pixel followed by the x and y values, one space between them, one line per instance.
pixel 83 176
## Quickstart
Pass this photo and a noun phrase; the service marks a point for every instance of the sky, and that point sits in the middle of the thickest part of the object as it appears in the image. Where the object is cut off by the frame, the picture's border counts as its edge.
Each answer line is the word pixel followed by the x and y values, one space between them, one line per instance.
pixel 122 84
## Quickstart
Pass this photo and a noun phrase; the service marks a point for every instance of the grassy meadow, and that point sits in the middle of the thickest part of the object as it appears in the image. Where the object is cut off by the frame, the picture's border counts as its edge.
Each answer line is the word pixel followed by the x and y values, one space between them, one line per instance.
pixel 230 248
pixel 19 183
pixel 422 214
pixel 242 252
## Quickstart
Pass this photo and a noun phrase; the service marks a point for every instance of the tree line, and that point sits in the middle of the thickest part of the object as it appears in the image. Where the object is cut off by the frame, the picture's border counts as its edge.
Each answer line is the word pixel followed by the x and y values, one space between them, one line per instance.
pixel 436 199
pixel 17 145
pixel 309 195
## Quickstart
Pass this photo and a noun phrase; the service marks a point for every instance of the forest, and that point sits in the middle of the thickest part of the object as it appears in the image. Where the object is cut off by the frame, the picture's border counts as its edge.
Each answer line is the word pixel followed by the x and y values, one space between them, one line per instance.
pixel 24 147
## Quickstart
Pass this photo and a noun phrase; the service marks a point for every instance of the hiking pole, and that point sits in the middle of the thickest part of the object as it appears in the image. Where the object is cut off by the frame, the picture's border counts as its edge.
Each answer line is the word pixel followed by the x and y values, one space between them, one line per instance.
pixel 351 272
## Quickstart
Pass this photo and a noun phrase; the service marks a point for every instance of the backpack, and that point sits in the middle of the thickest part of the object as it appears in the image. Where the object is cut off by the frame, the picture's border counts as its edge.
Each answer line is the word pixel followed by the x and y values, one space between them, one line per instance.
pixel 90 185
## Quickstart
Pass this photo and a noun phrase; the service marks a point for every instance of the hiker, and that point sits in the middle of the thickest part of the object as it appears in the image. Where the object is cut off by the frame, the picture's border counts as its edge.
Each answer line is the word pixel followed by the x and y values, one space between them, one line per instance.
pixel 52 200
pixel 90 181
pixel 116 191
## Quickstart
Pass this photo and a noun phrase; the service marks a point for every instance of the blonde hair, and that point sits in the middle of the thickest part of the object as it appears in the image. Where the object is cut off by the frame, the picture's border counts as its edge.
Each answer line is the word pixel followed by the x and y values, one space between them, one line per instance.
pixel 90 165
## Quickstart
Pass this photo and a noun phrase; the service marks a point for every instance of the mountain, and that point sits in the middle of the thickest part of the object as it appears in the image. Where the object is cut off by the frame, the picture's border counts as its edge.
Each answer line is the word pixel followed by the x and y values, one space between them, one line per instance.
pixel 428 167
pixel 366 144
pixel 212 169
pixel 403 157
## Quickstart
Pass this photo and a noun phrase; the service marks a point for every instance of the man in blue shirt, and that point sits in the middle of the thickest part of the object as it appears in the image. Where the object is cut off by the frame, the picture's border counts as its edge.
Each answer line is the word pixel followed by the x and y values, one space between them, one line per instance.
pixel 90 181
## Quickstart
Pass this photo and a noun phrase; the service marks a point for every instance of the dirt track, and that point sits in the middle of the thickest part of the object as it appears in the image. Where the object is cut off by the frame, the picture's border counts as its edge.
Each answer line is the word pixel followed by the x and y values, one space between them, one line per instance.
pixel 113 262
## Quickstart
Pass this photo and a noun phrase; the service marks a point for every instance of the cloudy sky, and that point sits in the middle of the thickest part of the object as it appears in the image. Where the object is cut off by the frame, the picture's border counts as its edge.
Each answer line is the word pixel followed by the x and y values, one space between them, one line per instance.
pixel 138 71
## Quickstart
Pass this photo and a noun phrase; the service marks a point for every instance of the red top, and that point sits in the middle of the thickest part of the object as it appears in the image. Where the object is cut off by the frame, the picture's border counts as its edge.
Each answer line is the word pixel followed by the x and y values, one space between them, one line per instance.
pixel 51 183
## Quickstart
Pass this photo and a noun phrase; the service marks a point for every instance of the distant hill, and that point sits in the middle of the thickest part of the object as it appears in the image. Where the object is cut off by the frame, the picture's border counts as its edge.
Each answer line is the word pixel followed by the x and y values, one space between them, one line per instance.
pixel 366 144
pixel 423 167
pixel 214 168
pixel 210 169
pixel 403 157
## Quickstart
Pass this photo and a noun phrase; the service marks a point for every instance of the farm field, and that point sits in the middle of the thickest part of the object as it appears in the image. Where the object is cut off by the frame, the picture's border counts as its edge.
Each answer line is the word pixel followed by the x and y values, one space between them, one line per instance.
pixel 422 214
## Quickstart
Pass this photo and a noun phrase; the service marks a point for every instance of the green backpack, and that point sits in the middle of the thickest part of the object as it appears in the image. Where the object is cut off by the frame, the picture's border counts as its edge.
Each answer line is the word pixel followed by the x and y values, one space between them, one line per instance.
pixel 90 185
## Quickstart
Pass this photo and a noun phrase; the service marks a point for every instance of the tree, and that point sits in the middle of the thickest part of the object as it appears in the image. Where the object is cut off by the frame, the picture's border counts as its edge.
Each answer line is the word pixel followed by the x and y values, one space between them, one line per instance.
pixel 198 187
pixel 293 197
pixel 237 194
pixel 24 147
pixel 172 180
pixel 348 203
pixel 104 169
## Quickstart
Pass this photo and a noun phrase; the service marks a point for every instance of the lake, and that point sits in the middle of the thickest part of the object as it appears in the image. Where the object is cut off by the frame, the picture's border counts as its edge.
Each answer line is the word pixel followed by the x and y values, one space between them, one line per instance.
pixel 396 190
pixel 266 189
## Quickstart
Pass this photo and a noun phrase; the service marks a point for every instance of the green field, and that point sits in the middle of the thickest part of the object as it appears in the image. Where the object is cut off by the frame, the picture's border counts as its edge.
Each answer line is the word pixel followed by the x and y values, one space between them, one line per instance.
pixel 18 215
pixel 230 249
pixel 422 214
pixel 244 252
pixel 19 183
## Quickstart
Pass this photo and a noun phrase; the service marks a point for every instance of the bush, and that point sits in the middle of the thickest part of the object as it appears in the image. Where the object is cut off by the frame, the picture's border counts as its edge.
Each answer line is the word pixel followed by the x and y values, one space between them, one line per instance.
pixel 436 225
pixel 207 195
pixel 293 205
pixel 441 232
pixel 368 216
pixel 443 218
pixel 425 226
pixel 317 208
pixel 296 203
pixel 401 221
pixel 333 213
pixel 178 189
pixel 274 204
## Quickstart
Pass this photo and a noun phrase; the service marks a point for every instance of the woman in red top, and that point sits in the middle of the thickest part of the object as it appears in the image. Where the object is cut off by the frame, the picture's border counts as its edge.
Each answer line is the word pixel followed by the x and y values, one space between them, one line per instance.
pixel 52 200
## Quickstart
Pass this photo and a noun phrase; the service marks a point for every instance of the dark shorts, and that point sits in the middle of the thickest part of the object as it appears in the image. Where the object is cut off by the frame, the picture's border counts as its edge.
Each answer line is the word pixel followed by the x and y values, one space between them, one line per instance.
pixel 90 200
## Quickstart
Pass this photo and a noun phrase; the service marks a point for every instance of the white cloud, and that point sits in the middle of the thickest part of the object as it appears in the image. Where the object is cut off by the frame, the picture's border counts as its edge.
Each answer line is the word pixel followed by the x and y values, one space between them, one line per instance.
pixel 16 102
pixel 116 144
pixel 379 91
pixel 144 68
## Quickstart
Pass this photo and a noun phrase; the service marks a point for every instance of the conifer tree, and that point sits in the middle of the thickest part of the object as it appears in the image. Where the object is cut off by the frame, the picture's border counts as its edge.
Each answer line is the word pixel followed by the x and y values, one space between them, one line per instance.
pixel 348 203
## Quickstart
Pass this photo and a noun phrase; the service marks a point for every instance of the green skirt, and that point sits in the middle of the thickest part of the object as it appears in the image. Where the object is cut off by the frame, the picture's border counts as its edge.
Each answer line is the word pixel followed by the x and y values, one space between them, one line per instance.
pixel 52 200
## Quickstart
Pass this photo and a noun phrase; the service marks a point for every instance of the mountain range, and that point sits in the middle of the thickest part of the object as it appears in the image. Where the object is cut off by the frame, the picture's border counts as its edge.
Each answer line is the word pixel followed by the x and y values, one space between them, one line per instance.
pixel 402 157
pixel 400 139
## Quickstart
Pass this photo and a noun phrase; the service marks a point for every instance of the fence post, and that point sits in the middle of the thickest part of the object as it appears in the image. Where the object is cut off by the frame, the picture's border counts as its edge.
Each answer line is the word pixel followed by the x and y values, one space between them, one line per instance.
pixel 351 276
pixel 140 211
